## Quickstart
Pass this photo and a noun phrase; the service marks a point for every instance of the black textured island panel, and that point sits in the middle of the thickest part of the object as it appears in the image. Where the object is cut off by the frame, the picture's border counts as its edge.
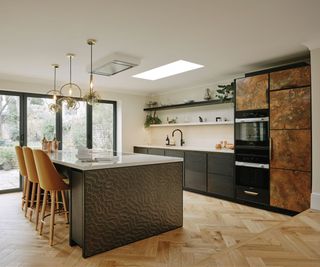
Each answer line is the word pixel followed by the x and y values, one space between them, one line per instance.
pixel 124 205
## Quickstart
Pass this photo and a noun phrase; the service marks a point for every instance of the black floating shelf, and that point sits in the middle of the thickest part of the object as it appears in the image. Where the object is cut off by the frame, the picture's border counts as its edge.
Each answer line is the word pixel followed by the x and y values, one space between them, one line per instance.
pixel 191 104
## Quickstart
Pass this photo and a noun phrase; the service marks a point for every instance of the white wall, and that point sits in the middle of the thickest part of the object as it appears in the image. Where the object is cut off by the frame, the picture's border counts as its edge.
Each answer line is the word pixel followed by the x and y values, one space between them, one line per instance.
pixel 315 76
pixel 201 136
pixel 130 112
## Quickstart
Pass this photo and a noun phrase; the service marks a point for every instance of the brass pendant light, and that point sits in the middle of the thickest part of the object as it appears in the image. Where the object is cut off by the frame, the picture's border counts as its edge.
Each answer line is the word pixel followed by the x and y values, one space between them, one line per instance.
pixel 55 106
pixel 73 89
pixel 92 96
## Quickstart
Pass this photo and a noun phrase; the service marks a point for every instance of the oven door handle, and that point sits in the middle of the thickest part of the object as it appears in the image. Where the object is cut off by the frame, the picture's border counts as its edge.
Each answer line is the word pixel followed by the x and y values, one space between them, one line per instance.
pixel 252 165
pixel 251 193
pixel 253 119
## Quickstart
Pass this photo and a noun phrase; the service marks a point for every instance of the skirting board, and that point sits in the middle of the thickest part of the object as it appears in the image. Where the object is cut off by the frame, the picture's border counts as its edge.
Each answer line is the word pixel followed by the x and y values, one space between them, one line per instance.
pixel 315 201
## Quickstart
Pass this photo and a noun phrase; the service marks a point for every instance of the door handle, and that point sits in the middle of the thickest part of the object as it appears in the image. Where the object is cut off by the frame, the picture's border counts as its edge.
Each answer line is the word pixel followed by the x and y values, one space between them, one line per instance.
pixel 251 193
pixel 270 149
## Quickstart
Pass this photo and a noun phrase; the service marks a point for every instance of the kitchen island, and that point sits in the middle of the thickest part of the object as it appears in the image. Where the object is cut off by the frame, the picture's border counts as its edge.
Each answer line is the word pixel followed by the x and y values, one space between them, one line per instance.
pixel 121 200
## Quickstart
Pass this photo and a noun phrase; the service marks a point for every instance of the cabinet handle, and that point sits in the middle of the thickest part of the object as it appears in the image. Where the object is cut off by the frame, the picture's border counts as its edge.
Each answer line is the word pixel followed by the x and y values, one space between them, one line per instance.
pixel 251 193
pixel 267 96
pixel 270 149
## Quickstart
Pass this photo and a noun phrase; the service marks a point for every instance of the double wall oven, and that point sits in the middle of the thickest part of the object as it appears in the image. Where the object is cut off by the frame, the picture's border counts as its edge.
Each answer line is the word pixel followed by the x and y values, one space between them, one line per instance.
pixel 252 156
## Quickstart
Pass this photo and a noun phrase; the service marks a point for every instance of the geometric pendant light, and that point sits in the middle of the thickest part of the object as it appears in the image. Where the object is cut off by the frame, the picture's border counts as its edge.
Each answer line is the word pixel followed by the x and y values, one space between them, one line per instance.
pixel 70 90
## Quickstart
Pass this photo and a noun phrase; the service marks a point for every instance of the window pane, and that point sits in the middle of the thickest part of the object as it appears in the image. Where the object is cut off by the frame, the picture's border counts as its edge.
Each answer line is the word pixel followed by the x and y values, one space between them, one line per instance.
pixel 102 126
pixel 41 122
pixel 9 138
pixel 74 127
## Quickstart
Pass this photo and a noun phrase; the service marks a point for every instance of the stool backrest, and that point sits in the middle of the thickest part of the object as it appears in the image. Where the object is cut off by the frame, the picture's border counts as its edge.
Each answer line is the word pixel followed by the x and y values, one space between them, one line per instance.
pixel 30 164
pixel 21 162
pixel 49 177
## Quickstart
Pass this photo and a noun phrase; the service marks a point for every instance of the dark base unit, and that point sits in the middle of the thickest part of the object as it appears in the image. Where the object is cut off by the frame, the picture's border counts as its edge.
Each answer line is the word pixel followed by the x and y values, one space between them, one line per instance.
pixel 195 170
pixel 221 174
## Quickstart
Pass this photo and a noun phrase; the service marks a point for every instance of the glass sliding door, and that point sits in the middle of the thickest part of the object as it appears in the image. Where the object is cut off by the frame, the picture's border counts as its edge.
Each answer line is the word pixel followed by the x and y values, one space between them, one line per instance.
pixel 9 138
pixel 74 127
pixel 103 126
pixel 41 122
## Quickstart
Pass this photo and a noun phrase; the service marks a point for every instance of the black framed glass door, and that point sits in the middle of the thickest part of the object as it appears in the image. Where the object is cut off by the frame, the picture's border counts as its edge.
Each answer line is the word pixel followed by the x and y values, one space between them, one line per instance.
pixel 10 136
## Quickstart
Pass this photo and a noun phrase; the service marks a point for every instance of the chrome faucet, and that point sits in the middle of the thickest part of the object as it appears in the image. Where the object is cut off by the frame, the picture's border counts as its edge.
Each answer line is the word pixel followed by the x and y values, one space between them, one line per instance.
pixel 181 136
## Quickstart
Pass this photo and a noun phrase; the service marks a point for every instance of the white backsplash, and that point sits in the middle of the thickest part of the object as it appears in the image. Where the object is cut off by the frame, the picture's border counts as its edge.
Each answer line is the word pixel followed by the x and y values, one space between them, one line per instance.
pixel 200 136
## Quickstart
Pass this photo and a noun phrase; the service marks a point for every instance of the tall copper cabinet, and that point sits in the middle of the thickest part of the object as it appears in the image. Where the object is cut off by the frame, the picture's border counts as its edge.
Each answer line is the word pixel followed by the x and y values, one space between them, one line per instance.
pixel 252 93
pixel 290 139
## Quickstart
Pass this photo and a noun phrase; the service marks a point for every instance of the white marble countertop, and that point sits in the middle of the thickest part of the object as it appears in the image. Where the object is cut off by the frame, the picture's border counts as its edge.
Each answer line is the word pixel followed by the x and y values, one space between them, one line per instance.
pixel 69 159
pixel 190 148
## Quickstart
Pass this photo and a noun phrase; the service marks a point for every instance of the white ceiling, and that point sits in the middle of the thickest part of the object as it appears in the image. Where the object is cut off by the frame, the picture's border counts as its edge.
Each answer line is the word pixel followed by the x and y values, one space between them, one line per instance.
pixel 227 36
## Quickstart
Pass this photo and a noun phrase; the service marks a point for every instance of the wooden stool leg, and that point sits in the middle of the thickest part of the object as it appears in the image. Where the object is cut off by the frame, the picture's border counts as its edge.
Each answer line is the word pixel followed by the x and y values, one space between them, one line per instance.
pixel 33 194
pixel 64 206
pixel 53 200
pixel 57 200
pixel 38 205
pixel 27 199
pixel 43 210
pixel 24 191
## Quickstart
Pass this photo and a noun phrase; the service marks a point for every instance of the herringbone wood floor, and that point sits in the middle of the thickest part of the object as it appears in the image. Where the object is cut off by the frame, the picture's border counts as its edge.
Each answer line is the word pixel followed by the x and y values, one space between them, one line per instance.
pixel 215 233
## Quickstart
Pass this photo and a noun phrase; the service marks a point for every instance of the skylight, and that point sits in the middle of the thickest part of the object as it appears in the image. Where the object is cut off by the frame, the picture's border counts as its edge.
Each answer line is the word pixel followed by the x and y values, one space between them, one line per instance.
pixel 167 70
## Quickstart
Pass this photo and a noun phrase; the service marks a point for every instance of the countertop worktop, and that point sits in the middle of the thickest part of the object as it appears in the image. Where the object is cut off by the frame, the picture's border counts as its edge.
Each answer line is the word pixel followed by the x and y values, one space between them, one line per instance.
pixel 69 159
pixel 189 148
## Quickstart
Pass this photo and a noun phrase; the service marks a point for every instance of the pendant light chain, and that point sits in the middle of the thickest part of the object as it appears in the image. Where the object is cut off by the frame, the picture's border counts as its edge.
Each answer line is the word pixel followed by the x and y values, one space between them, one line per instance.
pixel 70 68
pixel 92 96
pixel 54 77
pixel 91 78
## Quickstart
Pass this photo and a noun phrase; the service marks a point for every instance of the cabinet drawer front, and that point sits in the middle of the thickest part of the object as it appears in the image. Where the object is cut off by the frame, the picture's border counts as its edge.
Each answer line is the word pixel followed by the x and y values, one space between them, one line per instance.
pixel 291 149
pixel 221 185
pixel 290 109
pixel 156 151
pixel 290 189
pixel 252 93
pixel 251 194
pixel 141 150
pixel 196 161
pixel 195 180
pixel 291 78
pixel 174 153
pixel 221 165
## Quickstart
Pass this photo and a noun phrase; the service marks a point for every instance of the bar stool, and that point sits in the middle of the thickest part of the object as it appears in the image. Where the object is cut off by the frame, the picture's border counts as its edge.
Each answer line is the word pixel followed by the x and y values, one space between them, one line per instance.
pixel 32 177
pixel 50 181
pixel 23 173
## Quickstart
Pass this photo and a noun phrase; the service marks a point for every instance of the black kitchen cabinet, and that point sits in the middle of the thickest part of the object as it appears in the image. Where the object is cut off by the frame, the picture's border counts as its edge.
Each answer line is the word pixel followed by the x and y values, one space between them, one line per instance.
pixel 156 151
pixel 141 150
pixel 221 174
pixel 195 171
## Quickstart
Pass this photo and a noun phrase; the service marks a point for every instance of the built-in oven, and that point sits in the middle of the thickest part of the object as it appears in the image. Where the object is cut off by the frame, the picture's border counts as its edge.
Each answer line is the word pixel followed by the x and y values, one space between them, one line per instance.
pixel 252 182
pixel 252 132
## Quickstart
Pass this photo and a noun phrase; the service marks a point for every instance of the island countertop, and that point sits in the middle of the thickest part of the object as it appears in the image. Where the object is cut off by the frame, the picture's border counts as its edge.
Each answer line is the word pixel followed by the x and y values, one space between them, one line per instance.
pixel 69 159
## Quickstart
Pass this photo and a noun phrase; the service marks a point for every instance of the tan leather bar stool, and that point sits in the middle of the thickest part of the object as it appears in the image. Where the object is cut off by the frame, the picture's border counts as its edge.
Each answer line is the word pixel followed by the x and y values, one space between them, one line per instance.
pixel 50 181
pixel 32 177
pixel 23 173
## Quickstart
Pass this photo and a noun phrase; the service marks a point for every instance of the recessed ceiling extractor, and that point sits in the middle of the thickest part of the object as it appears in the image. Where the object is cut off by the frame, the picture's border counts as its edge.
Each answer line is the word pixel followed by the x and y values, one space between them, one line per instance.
pixel 114 63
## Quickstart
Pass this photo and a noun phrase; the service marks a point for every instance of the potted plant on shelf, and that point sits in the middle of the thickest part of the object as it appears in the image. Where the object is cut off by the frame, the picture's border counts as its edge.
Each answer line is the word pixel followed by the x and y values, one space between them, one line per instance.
pixel 152 118
pixel 225 92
